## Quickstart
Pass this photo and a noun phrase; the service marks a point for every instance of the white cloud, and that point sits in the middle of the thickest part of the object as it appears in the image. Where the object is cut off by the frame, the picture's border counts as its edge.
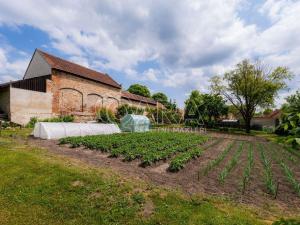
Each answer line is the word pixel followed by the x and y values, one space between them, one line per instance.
pixel 190 40
pixel 12 69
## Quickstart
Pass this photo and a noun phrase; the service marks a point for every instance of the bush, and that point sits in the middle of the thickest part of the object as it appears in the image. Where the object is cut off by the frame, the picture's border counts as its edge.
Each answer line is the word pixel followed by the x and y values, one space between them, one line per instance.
pixel 126 109
pixel 34 120
pixel 257 127
pixel 164 116
pixel 268 129
pixel 105 115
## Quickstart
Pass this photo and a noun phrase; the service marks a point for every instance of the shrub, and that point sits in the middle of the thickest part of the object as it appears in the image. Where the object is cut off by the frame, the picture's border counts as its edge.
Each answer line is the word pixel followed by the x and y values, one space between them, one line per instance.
pixel 34 120
pixel 105 115
pixel 126 109
pixel 257 127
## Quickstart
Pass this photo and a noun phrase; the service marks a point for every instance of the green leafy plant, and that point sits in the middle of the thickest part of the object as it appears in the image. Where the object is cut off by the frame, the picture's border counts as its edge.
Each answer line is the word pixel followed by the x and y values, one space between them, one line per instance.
pixel 286 222
pixel 105 115
pixel 150 147
pixel 178 162
pixel 126 109
pixel 34 120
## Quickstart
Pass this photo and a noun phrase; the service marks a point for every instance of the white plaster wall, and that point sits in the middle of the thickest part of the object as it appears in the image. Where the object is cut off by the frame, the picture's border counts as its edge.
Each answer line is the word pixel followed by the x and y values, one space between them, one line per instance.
pixel 25 104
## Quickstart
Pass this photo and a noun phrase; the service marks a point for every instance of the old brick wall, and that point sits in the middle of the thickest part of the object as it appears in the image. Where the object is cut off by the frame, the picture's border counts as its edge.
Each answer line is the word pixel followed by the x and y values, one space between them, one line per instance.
pixel 72 94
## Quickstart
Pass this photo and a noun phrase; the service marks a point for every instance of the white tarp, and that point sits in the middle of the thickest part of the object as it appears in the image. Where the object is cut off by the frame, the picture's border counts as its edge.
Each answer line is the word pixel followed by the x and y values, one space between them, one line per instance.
pixel 46 130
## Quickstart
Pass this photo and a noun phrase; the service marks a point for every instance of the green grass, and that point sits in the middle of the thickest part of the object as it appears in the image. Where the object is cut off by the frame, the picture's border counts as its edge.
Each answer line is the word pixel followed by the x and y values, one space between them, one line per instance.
pixel 40 188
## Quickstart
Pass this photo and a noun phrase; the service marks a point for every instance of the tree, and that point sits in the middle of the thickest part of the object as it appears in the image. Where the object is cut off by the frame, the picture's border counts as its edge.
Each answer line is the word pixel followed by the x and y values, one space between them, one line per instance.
pixel 249 86
pixel 160 97
pixel 207 108
pixel 234 112
pixel 267 111
pixel 290 120
pixel 139 89
pixel 293 103
pixel 213 107
pixel 191 107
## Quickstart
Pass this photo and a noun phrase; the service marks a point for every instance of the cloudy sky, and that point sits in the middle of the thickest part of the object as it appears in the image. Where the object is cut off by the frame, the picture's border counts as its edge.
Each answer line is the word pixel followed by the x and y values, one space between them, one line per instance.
pixel 171 46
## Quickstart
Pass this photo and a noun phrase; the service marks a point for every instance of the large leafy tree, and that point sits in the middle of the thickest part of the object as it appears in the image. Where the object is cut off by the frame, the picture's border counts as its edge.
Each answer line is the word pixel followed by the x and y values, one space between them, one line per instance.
pixel 213 107
pixel 163 99
pixel 249 86
pixel 293 103
pixel 204 108
pixel 160 97
pixel 139 89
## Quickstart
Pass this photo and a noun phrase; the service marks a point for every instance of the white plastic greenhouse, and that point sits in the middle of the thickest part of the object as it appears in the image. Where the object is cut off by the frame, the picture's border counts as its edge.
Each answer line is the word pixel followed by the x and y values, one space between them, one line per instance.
pixel 135 123
pixel 46 130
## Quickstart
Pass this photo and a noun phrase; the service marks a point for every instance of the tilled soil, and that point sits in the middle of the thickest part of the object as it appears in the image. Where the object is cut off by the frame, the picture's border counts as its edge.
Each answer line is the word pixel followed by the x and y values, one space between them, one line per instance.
pixel 188 179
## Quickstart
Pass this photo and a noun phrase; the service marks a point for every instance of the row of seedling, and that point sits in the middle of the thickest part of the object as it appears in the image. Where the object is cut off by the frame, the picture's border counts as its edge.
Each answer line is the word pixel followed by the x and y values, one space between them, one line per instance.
pixel 268 175
pixel 248 168
pixel 288 173
pixel 180 160
pixel 290 177
pixel 215 162
pixel 232 163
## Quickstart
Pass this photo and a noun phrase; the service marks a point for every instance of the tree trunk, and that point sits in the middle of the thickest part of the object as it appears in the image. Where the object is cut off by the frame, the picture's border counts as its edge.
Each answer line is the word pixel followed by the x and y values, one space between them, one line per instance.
pixel 248 125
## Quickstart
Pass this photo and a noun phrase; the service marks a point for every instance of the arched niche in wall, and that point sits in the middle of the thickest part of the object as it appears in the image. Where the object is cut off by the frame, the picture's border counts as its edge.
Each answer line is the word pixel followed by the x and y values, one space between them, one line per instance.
pixel 94 102
pixel 112 103
pixel 70 100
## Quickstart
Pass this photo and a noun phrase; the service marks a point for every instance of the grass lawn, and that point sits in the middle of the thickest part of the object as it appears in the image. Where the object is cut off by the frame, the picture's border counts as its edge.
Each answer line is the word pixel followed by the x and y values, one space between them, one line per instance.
pixel 40 188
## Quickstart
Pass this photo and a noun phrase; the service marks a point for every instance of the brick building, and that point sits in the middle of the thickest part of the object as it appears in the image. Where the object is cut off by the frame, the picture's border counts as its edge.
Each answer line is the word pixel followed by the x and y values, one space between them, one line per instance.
pixel 53 86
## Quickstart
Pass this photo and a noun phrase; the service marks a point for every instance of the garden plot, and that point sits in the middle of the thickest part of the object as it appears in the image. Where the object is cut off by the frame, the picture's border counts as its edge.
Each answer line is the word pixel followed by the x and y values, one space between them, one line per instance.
pixel 147 147
pixel 245 169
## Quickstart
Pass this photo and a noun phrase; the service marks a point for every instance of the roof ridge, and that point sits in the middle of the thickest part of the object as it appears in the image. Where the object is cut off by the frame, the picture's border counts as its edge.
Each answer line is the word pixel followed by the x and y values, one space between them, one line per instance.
pixel 77 69
pixel 139 95
pixel 43 52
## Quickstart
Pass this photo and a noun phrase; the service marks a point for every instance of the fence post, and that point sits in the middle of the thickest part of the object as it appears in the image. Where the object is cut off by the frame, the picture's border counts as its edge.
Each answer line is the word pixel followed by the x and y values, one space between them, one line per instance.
pixel 277 187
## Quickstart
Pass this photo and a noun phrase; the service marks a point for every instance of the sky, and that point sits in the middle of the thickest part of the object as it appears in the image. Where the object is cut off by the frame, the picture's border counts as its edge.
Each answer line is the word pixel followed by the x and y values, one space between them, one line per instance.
pixel 170 46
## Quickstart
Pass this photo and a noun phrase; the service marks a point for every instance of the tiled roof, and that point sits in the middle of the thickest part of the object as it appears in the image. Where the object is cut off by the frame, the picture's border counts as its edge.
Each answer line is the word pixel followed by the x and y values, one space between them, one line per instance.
pixel 271 115
pixel 133 97
pixel 66 66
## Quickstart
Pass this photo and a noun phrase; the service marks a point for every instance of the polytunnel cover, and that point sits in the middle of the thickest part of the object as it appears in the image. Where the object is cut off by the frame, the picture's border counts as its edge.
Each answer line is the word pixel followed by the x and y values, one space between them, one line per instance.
pixel 48 130
pixel 135 123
